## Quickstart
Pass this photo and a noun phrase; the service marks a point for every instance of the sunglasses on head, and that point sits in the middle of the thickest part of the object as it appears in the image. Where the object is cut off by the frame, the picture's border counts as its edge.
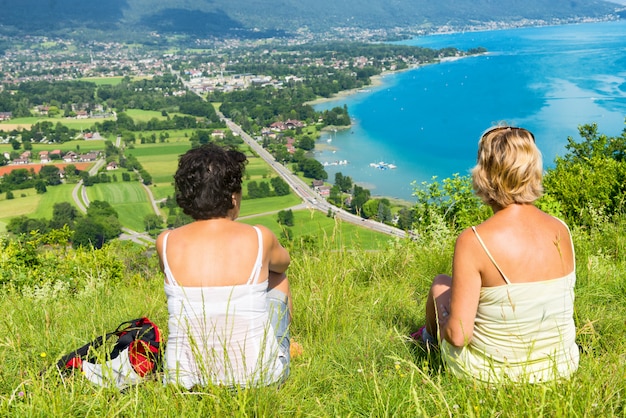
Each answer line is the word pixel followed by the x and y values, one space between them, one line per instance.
pixel 507 128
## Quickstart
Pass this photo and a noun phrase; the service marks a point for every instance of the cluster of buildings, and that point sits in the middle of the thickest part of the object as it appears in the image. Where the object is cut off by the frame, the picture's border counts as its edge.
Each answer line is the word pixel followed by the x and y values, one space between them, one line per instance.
pixel 276 129
pixel 95 59
pixel 44 157
pixel 201 82
pixel 211 77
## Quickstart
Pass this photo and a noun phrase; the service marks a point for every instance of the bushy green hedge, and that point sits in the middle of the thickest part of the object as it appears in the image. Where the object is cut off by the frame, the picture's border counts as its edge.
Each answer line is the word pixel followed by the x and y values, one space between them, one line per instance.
pixel 33 267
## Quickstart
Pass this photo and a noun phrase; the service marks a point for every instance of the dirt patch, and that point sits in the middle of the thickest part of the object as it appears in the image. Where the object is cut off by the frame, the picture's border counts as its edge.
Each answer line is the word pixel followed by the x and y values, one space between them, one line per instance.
pixel 37 167
pixel 8 127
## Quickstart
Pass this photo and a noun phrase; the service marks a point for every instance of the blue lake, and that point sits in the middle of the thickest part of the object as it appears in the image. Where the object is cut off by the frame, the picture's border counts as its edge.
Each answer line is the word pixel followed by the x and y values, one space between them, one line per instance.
pixel 427 121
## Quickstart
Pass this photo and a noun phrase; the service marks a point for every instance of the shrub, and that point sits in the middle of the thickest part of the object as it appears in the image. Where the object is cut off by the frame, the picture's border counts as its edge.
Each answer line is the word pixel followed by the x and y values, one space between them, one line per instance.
pixel 451 201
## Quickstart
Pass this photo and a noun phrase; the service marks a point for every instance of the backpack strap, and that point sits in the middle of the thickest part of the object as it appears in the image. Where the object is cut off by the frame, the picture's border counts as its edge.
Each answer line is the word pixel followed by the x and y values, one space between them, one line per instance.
pixel 69 360
pixel 127 332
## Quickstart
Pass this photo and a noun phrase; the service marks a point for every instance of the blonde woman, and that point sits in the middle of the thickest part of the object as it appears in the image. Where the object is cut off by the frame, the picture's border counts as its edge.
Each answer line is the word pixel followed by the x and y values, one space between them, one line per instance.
pixel 507 311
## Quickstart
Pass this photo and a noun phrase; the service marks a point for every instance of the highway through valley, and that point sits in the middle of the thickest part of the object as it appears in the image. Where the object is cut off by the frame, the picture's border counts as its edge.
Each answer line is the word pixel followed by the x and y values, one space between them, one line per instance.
pixel 310 197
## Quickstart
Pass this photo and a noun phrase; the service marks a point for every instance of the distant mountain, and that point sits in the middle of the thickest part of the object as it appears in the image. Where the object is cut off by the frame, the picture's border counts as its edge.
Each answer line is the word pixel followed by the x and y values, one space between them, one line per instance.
pixel 264 18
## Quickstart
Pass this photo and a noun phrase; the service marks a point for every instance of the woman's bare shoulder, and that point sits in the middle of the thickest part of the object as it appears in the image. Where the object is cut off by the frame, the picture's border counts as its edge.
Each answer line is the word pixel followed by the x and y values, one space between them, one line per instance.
pixel 466 240
pixel 267 233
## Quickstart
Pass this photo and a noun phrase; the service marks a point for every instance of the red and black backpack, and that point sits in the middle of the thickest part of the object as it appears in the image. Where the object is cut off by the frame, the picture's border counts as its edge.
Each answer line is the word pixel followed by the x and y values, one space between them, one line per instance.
pixel 140 336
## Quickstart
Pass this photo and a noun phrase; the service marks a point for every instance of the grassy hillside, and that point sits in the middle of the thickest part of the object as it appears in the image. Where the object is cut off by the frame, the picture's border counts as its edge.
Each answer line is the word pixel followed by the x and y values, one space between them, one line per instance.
pixel 353 313
pixel 135 19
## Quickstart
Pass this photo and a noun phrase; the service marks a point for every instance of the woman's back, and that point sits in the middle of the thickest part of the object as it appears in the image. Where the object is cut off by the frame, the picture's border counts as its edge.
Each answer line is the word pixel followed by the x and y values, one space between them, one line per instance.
pixel 527 245
pixel 216 252
pixel 523 327
pixel 220 333
pixel 228 295
pixel 508 307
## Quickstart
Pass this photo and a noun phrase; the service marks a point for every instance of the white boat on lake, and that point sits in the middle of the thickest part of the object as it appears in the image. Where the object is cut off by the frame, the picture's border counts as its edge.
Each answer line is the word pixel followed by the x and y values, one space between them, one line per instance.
pixel 381 165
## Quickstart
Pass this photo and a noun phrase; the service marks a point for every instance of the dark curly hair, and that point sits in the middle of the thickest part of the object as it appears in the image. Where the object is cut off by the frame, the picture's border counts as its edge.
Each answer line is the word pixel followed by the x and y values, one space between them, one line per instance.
pixel 206 179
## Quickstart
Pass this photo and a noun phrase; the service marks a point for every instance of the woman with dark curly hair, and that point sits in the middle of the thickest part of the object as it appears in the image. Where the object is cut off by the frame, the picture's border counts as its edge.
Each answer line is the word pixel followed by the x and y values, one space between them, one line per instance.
pixel 227 293
pixel 507 311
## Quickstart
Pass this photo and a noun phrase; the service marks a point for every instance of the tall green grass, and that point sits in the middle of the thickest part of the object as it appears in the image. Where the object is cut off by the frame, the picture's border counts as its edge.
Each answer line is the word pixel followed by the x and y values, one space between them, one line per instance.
pixel 353 312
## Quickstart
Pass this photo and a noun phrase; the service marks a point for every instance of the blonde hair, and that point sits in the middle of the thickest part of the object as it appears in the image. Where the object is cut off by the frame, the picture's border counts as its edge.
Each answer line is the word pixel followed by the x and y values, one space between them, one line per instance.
pixel 509 167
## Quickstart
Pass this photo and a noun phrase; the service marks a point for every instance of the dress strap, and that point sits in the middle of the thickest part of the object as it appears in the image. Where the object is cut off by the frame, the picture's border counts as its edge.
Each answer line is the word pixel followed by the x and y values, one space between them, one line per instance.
pixel 506 279
pixel 570 237
pixel 166 267
pixel 256 270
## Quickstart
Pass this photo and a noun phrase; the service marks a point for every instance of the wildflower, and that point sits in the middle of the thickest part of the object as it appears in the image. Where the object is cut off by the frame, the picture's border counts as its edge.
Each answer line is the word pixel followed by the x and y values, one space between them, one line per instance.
pixel 397 365
pixel 21 394
pixel 42 354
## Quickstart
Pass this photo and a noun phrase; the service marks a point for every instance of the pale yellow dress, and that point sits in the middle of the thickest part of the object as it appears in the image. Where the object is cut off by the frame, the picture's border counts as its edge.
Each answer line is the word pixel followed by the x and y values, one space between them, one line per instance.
pixel 523 332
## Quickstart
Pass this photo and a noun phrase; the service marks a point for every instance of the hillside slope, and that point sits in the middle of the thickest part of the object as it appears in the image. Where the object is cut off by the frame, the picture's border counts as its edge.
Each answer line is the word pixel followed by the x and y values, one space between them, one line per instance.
pixel 261 18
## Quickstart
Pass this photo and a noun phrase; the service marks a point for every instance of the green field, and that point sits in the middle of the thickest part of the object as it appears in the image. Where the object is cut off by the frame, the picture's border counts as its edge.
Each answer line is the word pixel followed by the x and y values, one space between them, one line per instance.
pixel 79 146
pixel 160 160
pixel 334 232
pixel 132 202
pixel 129 199
pixel 171 149
pixel 174 135
pixel 54 194
pixel 20 205
pixel 160 167
pixel 27 121
pixel 258 169
pixel 32 204
pixel 162 191
pixel 140 115
pixel 80 124
pixel 99 81
pixel 268 204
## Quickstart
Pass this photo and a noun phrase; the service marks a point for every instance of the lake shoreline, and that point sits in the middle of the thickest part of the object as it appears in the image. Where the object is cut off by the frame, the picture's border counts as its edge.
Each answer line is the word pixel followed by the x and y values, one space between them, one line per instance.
pixel 375 82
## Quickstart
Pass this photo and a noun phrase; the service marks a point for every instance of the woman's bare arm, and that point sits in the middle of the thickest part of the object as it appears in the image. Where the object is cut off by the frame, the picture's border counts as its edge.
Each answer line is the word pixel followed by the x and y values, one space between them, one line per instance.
pixel 457 326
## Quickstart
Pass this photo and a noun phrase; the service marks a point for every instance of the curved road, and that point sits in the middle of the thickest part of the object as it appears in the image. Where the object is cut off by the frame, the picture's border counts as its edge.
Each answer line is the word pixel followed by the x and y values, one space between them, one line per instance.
pixel 82 203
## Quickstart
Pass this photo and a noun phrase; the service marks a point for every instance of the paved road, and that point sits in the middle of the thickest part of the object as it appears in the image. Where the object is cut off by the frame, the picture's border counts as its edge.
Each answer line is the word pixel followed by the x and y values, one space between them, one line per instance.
pixel 75 191
pixel 83 202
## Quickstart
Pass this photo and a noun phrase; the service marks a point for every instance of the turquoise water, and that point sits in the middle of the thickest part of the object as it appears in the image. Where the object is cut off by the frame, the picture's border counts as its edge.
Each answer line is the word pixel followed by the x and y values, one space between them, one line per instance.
pixel 427 121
